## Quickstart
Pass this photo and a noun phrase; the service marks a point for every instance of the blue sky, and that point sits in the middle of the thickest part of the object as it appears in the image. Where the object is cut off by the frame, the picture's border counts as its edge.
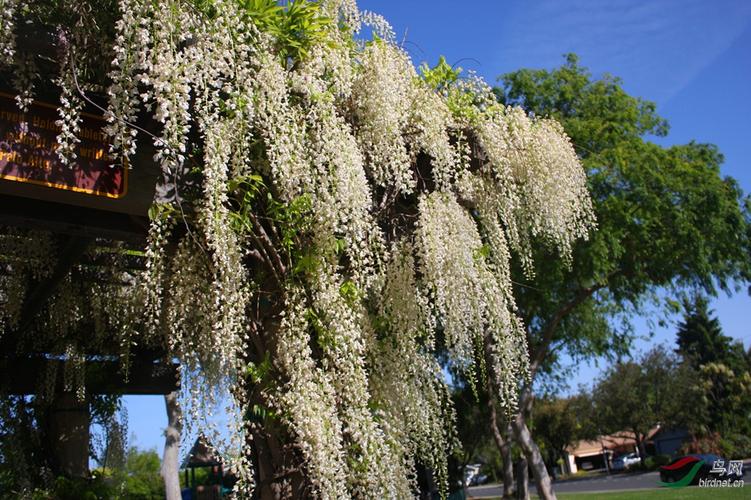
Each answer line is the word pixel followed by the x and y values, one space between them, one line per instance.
pixel 692 57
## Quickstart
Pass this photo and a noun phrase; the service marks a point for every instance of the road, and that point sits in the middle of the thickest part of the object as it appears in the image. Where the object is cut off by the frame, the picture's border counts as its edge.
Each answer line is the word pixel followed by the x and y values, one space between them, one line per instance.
pixel 615 482
pixel 600 483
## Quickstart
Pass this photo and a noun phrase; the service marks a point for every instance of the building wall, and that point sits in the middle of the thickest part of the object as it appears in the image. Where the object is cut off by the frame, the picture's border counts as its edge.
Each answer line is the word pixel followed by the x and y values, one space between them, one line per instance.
pixel 569 464
pixel 668 442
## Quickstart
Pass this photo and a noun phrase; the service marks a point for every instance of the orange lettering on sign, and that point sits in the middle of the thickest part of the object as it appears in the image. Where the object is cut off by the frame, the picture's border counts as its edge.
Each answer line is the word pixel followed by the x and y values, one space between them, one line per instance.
pixel 28 152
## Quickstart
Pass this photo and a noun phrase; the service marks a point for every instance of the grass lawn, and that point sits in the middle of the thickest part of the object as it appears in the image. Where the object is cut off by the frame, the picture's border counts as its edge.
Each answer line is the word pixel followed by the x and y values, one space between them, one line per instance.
pixel 664 493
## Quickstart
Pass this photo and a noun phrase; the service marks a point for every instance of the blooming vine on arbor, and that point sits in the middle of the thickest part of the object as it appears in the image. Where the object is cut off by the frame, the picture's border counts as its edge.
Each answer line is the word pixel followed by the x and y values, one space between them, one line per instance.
pixel 339 221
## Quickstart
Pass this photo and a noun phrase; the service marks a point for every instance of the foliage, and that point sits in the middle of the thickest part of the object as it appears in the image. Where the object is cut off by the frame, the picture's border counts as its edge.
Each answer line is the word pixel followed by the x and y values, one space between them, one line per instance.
pixel 20 446
pixel 442 77
pixel 109 436
pixel 635 396
pixel 703 443
pixel 653 462
pixel 724 374
pixel 201 476
pixel 139 479
pixel 141 475
pixel 558 423
pixel 461 99
pixel 727 396
pixel 700 339
pixel 668 222
pixel 296 26
pixel 736 446
pixel 26 463
pixel 472 431
pixel 328 229
pixel 75 488
pixel 667 219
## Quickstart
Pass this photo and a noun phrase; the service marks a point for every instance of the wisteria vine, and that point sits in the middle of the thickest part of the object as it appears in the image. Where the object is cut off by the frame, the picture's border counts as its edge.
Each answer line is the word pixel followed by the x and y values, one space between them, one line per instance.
pixel 347 218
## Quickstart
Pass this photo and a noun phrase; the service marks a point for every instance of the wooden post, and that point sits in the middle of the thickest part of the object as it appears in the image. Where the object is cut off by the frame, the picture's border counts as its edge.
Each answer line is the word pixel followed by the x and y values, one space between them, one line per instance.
pixel 69 435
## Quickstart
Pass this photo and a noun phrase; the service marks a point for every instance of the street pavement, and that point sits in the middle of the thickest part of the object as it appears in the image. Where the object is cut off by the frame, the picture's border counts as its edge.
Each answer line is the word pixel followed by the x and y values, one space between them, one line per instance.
pixel 600 483
pixel 614 482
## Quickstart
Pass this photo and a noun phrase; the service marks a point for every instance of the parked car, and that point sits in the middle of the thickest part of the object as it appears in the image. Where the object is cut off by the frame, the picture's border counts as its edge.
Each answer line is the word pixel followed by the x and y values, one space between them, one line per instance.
pixel 472 475
pixel 625 461
pixel 479 479
pixel 471 471
pixel 712 467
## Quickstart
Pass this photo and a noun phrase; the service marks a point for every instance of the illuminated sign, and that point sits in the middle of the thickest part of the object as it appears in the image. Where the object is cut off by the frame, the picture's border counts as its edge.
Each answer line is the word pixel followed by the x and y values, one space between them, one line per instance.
pixel 28 152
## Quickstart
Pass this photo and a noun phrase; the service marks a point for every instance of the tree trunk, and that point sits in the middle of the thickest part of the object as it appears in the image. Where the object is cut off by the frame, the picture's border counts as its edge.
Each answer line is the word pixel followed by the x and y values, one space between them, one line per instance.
pixel 642 449
pixel 279 473
pixel 508 467
pixel 170 460
pixel 553 460
pixel 522 479
pixel 504 446
pixel 276 472
pixel 266 467
pixel 533 455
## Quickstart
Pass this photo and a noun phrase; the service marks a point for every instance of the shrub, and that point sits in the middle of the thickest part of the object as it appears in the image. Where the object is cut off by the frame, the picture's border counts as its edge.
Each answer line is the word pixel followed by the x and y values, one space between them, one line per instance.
pixel 656 461
pixel 736 446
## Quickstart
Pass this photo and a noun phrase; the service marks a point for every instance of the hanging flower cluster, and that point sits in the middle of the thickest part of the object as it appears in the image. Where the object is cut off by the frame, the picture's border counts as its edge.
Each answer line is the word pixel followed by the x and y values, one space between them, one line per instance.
pixel 310 401
pixel 381 101
pixel 29 256
pixel 548 198
pixel 7 31
pixel 336 222
pixel 409 392
pixel 24 67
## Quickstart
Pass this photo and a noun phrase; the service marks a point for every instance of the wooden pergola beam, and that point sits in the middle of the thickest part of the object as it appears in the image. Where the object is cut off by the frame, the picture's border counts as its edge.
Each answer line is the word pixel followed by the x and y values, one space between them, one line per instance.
pixel 22 376
pixel 73 220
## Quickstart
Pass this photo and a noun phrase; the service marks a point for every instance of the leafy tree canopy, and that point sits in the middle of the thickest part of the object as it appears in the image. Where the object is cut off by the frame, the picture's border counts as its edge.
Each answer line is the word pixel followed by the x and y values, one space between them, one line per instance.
pixel 635 396
pixel 700 339
pixel 724 372
pixel 560 422
pixel 667 218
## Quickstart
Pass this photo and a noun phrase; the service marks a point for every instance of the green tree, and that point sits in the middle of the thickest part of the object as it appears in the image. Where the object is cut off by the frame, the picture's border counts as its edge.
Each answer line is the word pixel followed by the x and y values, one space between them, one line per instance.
pixel 701 341
pixel 727 395
pixel 723 371
pixel 142 480
pixel 635 396
pixel 559 422
pixel 668 221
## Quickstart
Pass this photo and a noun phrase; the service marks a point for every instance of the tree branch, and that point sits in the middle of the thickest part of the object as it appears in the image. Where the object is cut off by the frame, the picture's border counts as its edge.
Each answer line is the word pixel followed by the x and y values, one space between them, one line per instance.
pixel 542 348
pixel 268 247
